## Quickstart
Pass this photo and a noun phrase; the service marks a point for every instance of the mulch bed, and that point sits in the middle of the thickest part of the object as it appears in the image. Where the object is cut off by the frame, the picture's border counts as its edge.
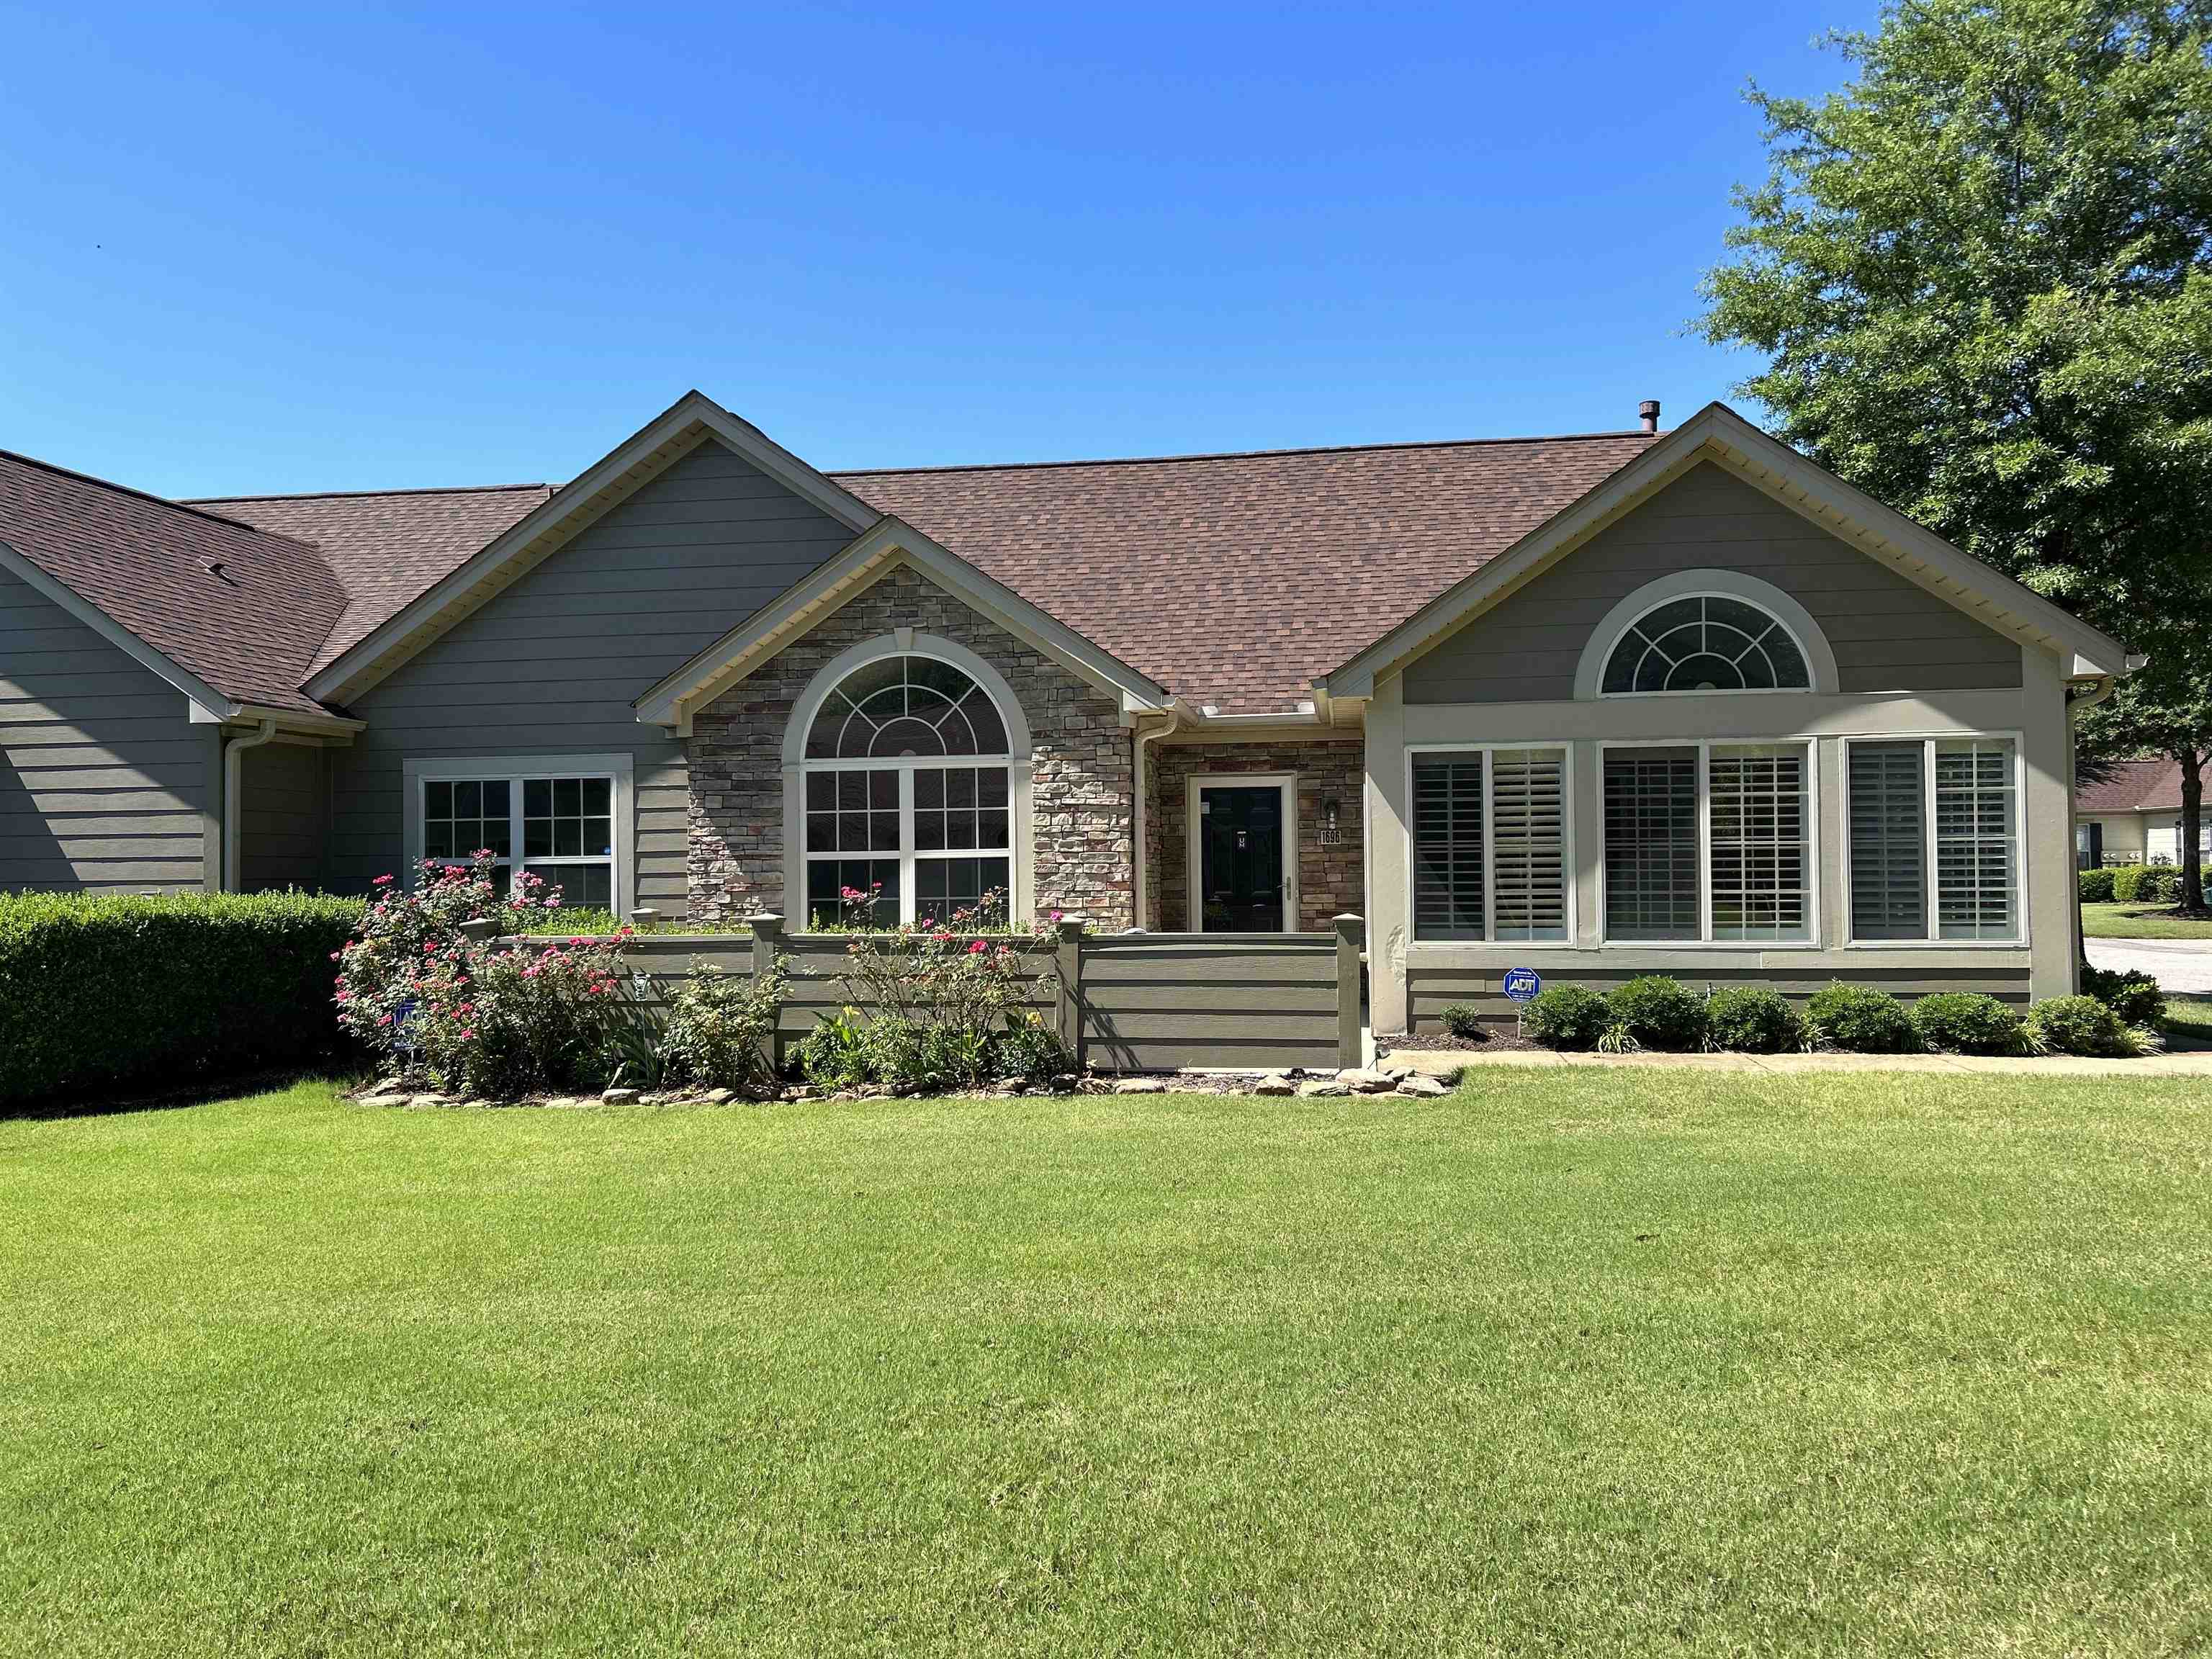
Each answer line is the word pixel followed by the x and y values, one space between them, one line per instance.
pixel 1443 1043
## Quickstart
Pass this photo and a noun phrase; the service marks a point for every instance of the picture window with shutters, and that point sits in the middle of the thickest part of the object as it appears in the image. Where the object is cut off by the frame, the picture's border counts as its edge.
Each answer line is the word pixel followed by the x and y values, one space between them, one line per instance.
pixel 1490 852
pixel 1935 840
pixel 1709 843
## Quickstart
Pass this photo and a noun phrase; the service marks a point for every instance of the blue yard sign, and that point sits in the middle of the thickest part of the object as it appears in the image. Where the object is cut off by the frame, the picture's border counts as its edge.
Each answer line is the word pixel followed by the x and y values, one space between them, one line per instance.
pixel 1522 983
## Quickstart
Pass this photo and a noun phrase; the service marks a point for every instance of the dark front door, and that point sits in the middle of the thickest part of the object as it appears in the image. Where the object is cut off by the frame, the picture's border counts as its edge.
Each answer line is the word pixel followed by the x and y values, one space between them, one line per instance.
pixel 1240 859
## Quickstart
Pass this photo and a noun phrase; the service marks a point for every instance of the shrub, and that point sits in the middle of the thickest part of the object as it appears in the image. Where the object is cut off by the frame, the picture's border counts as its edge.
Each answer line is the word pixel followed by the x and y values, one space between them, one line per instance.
pixel 1462 1019
pixel 1030 1051
pixel 720 1028
pixel 482 1019
pixel 1967 1022
pixel 1861 1019
pixel 2134 995
pixel 2146 883
pixel 1571 1017
pixel 2096 886
pixel 2081 1025
pixel 835 1054
pixel 100 992
pixel 1753 1019
pixel 1660 1013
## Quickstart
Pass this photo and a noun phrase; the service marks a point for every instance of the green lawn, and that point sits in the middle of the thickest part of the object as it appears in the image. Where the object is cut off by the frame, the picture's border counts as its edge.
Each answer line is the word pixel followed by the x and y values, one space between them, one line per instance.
pixel 1610 1362
pixel 2140 921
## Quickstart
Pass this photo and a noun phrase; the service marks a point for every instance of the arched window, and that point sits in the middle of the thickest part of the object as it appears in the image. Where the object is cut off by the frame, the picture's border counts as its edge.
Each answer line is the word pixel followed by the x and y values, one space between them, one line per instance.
pixel 1706 642
pixel 907 774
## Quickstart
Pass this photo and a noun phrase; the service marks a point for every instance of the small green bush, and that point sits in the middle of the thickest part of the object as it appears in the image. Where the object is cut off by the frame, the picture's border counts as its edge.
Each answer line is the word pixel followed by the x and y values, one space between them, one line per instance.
pixel 1029 1050
pixel 835 1054
pixel 100 993
pixel 2134 995
pixel 1753 1019
pixel 2081 1026
pixel 2147 883
pixel 2097 886
pixel 1571 1017
pixel 1462 1019
pixel 720 1028
pixel 1660 1013
pixel 1967 1022
pixel 1861 1019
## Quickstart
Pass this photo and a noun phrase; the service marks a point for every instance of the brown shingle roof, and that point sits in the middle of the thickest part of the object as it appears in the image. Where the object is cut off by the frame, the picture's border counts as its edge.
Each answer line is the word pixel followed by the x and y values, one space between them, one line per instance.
pixel 2137 786
pixel 1233 579
pixel 248 628
pixel 387 545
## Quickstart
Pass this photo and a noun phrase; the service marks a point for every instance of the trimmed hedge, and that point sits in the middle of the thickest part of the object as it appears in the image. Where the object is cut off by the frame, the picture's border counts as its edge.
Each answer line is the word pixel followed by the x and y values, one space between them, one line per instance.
pixel 2145 883
pixel 1861 1019
pixel 1967 1022
pixel 1660 1013
pixel 2097 886
pixel 2134 995
pixel 1753 1019
pixel 98 994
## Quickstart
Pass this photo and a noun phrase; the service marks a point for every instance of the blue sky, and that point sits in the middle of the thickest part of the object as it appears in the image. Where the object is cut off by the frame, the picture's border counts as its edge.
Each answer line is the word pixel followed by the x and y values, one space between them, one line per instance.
pixel 317 248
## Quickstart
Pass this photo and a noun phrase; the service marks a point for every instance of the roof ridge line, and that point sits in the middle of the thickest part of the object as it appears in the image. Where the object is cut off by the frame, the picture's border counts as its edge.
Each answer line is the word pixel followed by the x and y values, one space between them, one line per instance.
pixel 1241 454
pixel 340 494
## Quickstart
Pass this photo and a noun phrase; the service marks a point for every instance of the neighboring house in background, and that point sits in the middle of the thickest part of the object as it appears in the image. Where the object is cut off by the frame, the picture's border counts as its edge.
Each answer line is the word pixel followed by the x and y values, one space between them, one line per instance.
pixel 1635 701
pixel 2134 816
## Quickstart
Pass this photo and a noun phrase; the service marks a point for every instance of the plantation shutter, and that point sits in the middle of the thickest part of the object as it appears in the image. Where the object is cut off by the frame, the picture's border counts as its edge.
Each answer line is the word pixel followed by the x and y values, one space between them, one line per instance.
pixel 1448 847
pixel 1650 843
pixel 1975 823
pixel 1889 844
pixel 1756 800
pixel 1528 843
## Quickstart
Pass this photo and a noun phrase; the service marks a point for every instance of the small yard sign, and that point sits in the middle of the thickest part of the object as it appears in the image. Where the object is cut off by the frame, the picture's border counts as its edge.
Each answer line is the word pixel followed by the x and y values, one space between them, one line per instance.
pixel 1522 983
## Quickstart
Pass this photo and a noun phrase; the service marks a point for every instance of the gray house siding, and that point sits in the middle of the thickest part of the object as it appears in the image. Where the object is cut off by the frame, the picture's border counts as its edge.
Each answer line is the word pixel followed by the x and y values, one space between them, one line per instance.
pixel 284 816
pixel 1888 635
pixel 104 783
pixel 552 665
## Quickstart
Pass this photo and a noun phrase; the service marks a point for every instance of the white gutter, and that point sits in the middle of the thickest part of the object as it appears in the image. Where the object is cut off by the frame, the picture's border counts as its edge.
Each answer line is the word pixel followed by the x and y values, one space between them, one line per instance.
pixel 1137 900
pixel 233 789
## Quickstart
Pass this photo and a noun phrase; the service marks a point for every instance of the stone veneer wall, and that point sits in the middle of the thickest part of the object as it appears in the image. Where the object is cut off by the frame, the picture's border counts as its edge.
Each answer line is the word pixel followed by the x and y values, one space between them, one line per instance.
pixel 1330 878
pixel 1081 792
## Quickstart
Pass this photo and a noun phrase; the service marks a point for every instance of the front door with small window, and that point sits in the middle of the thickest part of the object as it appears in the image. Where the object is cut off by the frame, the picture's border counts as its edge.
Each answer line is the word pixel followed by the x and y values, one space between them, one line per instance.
pixel 1243 887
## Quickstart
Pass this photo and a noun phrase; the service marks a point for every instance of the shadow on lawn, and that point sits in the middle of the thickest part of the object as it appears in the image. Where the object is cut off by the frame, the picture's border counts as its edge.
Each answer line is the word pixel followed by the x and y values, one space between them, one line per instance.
pixel 197 1093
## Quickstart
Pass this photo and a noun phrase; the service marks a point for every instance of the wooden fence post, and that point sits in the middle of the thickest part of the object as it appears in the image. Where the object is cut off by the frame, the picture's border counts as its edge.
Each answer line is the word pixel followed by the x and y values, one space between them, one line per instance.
pixel 1351 939
pixel 1068 952
pixel 768 942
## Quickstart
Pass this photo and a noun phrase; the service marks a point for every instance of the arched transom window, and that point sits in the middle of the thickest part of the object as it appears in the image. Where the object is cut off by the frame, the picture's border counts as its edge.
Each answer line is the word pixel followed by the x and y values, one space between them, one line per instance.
pixel 1706 642
pixel 907 781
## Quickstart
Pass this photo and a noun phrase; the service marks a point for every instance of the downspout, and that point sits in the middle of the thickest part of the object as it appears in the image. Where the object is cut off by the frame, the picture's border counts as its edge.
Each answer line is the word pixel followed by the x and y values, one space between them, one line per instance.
pixel 2100 691
pixel 1138 908
pixel 234 786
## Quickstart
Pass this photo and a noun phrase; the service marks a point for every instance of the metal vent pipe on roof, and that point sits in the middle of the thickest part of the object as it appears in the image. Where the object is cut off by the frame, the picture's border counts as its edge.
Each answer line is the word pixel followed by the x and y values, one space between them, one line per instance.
pixel 1647 412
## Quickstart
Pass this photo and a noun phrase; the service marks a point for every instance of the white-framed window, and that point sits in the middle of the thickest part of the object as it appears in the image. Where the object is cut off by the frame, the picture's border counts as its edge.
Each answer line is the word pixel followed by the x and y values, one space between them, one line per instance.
pixel 561 817
pixel 1490 844
pixel 1935 834
pixel 1709 843
pixel 1706 642
pixel 908 793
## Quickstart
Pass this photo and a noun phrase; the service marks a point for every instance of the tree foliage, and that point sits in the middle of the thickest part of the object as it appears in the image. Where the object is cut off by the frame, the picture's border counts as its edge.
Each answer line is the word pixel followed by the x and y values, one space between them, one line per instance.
pixel 1978 273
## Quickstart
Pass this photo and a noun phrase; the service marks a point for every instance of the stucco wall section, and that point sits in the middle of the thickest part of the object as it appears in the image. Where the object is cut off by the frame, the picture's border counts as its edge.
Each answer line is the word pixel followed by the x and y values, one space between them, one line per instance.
pixel 1329 877
pixel 1081 795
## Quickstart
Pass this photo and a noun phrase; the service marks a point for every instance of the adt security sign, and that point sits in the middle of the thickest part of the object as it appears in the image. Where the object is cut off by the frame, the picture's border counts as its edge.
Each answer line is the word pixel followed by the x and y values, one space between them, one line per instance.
pixel 1521 984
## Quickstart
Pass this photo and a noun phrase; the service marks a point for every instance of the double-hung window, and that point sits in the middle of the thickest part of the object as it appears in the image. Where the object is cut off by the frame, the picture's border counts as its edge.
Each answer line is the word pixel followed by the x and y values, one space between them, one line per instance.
pixel 556 820
pixel 908 797
pixel 1709 842
pixel 1490 845
pixel 1935 829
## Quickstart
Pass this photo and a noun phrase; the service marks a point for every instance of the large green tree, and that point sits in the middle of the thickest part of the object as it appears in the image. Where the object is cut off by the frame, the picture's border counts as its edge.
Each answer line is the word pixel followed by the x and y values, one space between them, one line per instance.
pixel 1981 276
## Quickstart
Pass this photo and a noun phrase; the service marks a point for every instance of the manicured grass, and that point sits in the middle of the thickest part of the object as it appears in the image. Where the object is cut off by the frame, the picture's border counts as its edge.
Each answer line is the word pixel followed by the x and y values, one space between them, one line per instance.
pixel 1617 1362
pixel 2190 1016
pixel 2140 921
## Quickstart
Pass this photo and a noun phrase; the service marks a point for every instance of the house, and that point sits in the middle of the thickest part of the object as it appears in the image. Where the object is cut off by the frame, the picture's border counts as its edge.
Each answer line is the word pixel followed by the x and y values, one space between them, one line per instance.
pixel 2133 816
pixel 1634 701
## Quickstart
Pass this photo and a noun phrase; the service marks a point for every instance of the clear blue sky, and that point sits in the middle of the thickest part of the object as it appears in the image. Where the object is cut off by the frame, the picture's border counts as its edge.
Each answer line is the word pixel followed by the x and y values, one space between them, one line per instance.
pixel 314 248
